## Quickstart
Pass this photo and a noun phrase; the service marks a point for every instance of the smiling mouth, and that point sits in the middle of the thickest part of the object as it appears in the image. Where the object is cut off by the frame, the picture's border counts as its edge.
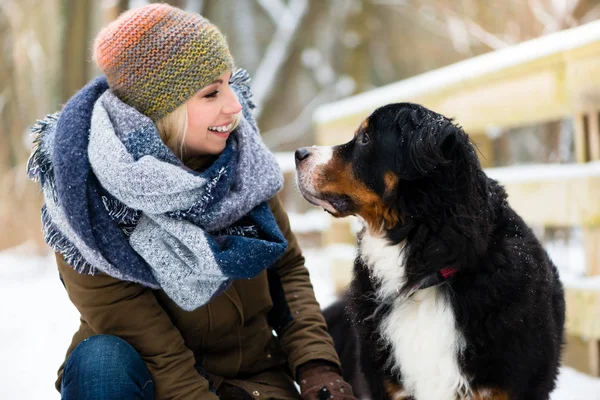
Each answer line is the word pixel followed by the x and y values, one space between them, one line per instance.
pixel 221 129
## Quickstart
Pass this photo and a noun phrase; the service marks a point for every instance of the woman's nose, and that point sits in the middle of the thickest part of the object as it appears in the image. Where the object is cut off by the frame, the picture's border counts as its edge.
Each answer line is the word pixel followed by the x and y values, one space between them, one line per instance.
pixel 233 105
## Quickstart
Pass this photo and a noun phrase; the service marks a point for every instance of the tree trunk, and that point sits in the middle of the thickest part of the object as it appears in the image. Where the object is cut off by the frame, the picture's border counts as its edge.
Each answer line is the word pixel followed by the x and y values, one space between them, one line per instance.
pixel 76 42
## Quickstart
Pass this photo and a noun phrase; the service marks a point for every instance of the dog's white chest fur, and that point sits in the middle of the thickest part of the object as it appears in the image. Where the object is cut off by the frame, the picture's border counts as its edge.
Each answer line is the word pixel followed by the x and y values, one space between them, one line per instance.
pixel 421 329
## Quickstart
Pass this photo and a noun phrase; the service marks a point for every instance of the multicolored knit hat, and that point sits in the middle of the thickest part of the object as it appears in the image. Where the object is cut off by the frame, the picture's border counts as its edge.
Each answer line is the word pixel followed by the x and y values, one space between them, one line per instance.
pixel 157 56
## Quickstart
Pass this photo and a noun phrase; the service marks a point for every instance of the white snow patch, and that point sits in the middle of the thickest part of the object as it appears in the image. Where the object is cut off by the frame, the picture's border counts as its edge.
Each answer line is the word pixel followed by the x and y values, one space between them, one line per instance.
pixel 38 322
pixel 543 172
pixel 573 385
pixel 591 283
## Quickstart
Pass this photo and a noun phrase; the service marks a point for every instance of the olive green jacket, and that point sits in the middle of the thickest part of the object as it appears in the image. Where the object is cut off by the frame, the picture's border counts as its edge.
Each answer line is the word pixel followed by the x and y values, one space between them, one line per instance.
pixel 230 339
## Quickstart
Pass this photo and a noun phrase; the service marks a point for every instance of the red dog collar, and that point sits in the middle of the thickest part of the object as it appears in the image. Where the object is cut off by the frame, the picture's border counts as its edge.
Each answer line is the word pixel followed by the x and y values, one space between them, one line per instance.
pixel 436 278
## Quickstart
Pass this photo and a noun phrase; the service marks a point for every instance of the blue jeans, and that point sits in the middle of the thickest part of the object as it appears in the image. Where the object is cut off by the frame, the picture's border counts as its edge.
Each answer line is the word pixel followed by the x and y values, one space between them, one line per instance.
pixel 106 367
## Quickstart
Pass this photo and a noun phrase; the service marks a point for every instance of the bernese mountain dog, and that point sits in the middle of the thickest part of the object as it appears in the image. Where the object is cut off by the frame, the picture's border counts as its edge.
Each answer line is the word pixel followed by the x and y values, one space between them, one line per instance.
pixel 452 295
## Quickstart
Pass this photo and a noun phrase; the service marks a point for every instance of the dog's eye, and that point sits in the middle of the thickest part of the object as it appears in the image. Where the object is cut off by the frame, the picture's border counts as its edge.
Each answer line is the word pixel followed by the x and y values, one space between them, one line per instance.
pixel 366 138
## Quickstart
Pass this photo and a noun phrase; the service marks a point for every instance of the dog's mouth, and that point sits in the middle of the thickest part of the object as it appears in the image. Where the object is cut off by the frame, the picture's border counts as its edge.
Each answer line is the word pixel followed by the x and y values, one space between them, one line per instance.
pixel 341 203
pixel 317 201
pixel 335 204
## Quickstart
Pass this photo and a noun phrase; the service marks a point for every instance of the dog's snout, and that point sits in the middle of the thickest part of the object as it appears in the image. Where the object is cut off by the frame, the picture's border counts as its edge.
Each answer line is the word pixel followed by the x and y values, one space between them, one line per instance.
pixel 301 154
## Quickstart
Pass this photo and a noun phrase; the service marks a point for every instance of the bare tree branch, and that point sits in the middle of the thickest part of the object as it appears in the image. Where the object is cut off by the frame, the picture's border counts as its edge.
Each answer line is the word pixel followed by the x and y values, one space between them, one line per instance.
pixel 564 8
pixel 459 34
pixel 409 10
pixel 567 11
pixel 591 15
pixel 478 32
pixel 455 25
pixel 275 8
pixel 543 16
pixel 299 126
pixel 277 52
pixel 484 36
pixel 303 122
pixel 247 47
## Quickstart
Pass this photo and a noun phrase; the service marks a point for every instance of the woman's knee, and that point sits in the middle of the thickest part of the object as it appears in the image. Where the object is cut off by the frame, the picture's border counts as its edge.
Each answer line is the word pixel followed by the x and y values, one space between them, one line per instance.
pixel 104 352
pixel 106 365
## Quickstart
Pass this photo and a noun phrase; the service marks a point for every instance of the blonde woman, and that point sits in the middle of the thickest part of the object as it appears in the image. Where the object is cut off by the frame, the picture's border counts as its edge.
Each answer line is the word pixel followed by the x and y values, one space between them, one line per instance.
pixel 161 204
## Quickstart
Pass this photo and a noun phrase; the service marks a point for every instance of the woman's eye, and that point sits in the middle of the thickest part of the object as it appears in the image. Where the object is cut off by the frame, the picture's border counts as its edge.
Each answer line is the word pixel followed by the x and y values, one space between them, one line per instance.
pixel 366 138
pixel 212 94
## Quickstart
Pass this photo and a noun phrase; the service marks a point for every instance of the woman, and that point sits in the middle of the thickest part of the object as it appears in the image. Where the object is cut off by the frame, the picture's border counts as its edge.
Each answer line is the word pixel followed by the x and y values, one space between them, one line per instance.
pixel 161 205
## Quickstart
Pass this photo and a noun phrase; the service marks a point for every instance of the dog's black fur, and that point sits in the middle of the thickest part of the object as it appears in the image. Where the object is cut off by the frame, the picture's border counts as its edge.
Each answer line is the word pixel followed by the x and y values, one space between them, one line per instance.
pixel 345 340
pixel 506 296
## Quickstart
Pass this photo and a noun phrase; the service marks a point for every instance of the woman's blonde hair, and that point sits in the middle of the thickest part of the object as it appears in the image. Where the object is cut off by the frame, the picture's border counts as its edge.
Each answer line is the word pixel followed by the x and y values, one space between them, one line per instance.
pixel 172 129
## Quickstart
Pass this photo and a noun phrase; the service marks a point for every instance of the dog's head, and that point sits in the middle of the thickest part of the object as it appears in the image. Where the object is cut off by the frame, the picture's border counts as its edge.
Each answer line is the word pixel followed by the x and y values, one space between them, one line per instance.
pixel 404 163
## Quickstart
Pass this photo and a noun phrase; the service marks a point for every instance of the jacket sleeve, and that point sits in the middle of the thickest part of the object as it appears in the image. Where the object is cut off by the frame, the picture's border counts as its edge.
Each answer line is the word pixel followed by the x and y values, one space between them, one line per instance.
pixel 303 332
pixel 131 312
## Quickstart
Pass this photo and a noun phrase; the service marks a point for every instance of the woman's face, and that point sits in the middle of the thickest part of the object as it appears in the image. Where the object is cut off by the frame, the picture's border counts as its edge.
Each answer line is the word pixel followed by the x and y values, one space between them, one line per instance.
pixel 210 114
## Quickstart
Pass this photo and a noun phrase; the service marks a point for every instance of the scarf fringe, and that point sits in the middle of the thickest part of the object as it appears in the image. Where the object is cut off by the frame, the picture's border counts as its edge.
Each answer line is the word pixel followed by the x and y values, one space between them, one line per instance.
pixel 242 79
pixel 40 169
pixel 120 213
pixel 39 164
pixel 250 231
pixel 57 241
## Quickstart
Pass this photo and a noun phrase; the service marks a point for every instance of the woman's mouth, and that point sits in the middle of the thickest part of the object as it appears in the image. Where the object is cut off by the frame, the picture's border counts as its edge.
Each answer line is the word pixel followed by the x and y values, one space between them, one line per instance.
pixel 221 130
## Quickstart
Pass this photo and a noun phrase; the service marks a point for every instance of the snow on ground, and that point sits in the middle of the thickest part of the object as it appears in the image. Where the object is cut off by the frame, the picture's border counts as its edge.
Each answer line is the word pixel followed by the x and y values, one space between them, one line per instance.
pixel 38 321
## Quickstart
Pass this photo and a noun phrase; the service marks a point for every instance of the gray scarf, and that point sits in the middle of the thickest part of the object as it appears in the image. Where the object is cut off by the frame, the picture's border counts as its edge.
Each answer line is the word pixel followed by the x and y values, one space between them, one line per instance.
pixel 192 232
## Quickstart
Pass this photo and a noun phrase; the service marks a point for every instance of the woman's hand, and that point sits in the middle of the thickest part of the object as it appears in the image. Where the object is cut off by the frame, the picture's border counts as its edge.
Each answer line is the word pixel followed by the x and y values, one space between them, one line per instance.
pixel 321 380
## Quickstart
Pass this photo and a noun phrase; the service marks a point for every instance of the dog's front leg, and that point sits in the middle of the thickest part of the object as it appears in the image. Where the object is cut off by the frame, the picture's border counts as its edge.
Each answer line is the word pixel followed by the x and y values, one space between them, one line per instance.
pixel 366 312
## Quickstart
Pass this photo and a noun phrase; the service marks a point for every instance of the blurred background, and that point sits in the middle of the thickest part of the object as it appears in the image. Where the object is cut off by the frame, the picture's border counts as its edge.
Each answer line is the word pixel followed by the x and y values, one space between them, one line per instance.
pixel 521 76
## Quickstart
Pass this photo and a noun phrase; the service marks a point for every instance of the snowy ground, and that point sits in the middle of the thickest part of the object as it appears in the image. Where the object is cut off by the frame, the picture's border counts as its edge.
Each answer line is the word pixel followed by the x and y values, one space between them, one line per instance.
pixel 38 321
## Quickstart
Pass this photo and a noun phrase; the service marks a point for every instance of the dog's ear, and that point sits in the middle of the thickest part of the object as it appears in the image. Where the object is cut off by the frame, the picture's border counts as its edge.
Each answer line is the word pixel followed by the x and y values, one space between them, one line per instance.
pixel 457 150
pixel 420 148
pixel 449 140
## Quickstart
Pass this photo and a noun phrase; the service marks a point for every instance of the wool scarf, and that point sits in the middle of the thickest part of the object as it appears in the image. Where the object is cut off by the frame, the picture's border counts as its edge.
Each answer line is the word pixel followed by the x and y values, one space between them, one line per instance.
pixel 118 201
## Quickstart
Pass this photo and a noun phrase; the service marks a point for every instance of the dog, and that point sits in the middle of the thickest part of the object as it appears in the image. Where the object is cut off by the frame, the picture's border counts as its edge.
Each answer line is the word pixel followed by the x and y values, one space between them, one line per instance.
pixel 452 295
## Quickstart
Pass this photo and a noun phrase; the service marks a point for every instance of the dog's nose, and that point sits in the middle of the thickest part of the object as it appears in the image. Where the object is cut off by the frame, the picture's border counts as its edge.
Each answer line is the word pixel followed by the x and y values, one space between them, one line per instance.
pixel 301 154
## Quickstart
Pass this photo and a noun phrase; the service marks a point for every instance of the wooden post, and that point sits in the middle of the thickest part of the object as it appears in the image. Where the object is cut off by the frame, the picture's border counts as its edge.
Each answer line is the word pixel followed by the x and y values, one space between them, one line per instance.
pixel 587 148
pixel 580 137
pixel 594 357
pixel 591 248
pixel 593 135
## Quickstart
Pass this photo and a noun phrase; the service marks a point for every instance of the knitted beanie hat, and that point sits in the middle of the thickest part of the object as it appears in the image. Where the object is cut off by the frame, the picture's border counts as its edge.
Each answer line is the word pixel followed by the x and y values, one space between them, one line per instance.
pixel 157 56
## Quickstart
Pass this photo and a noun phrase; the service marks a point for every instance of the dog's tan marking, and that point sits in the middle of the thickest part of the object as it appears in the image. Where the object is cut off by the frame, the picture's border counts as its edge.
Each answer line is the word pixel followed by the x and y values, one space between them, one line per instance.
pixel 394 390
pixel 337 177
pixel 362 127
pixel 490 394
pixel 391 181
pixel 390 214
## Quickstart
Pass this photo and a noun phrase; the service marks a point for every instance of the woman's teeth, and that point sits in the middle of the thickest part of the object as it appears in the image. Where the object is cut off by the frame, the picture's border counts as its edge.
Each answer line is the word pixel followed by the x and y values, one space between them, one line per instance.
pixel 225 128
